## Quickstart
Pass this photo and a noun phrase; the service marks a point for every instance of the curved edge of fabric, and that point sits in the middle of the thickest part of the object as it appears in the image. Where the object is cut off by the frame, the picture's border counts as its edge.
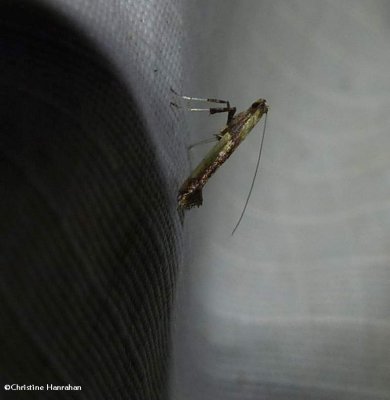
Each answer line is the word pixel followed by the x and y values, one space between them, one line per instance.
pixel 90 236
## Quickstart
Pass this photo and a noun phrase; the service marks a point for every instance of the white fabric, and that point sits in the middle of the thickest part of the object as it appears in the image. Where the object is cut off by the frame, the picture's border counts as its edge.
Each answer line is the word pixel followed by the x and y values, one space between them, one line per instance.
pixel 296 304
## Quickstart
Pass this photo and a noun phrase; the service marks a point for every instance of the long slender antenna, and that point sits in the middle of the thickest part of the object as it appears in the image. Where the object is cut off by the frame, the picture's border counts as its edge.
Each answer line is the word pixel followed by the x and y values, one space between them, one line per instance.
pixel 254 176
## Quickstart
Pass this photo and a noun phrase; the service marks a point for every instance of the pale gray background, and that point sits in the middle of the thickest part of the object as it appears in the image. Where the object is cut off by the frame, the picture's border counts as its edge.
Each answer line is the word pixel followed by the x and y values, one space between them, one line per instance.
pixel 296 304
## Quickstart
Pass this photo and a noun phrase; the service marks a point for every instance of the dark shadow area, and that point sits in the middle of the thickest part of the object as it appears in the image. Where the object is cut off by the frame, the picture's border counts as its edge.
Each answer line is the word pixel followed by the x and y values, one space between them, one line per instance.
pixel 87 249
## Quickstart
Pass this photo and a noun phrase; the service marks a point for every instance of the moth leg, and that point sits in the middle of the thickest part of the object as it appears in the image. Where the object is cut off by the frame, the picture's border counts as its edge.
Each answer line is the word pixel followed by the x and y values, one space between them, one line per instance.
pixel 209 140
pixel 230 110
pixel 214 110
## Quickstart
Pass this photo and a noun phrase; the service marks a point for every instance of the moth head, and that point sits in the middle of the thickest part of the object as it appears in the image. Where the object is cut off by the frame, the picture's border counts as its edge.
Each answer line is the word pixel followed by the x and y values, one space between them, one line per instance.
pixel 260 104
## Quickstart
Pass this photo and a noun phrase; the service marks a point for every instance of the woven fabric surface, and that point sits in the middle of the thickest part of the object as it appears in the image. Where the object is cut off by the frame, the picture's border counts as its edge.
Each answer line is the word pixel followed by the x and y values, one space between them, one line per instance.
pixel 90 238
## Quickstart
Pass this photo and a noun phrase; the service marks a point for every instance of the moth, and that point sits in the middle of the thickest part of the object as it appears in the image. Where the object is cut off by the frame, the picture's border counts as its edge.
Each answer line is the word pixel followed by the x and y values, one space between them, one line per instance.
pixel 237 128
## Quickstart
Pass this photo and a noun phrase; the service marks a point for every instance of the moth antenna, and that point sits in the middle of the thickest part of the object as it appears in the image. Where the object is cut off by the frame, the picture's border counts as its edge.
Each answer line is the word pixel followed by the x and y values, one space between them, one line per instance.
pixel 254 176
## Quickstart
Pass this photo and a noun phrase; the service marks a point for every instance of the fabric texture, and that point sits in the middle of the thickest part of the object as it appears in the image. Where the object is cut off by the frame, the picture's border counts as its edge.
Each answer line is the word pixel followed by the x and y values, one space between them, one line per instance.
pixel 90 161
